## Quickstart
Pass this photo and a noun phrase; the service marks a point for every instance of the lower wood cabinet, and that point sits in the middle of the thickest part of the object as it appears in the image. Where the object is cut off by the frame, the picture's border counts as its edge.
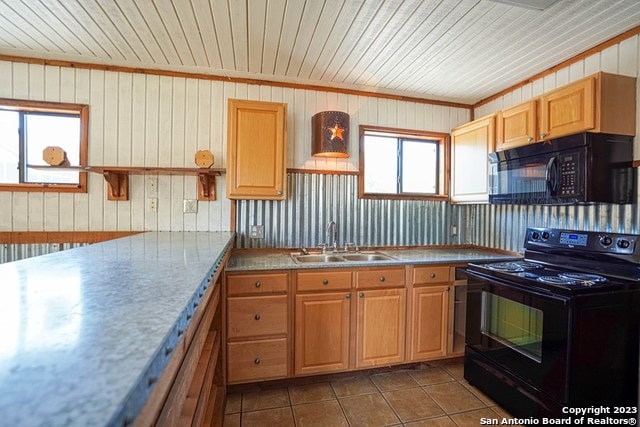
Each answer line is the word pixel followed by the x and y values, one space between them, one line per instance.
pixel 322 324
pixel 429 322
pixel 257 326
pixel 380 325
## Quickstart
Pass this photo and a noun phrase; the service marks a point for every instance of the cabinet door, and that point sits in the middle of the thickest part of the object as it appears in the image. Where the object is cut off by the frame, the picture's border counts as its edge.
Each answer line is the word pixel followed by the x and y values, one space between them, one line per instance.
pixel 469 163
pixel 380 327
pixel 516 126
pixel 429 318
pixel 569 110
pixel 256 150
pixel 322 332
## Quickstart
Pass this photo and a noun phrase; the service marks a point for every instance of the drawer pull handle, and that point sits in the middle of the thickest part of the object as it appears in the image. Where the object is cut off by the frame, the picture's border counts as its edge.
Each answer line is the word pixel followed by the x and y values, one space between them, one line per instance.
pixel 361 294
pixel 348 296
pixel 257 316
pixel 382 278
pixel 257 361
pixel 325 282
pixel 433 275
pixel 258 284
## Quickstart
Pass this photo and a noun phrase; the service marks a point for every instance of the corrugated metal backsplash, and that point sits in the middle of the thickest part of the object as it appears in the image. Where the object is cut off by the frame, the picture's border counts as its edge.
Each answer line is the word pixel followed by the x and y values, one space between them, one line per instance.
pixel 315 199
pixel 16 252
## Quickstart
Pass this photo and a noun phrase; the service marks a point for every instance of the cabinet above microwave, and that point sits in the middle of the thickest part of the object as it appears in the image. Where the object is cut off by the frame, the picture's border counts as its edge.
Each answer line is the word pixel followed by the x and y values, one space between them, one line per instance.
pixel 600 103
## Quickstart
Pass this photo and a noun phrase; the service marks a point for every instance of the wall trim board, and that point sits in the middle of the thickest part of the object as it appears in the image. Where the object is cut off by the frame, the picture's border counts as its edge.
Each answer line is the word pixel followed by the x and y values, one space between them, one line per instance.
pixel 579 57
pixel 22 237
pixel 322 171
pixel 217 77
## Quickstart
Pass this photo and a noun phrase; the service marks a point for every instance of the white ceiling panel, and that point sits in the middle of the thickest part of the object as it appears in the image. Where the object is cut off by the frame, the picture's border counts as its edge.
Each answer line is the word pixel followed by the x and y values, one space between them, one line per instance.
pixel 451 50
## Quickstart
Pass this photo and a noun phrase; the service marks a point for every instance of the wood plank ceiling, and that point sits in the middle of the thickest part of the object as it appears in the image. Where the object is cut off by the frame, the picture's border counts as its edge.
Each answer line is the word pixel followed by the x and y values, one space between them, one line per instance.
pixel 452 50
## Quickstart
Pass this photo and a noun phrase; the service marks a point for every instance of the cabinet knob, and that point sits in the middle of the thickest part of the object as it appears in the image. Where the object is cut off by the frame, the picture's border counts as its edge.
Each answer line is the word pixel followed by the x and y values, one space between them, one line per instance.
pixel 257 316
pixel 348 296
pixel 433 275
pixel 279 193
pixel 325 282
pixel 257 361
pixel 543 135
pixel 361 294
pixel 529 139
pixel 382 278
pixel 258 284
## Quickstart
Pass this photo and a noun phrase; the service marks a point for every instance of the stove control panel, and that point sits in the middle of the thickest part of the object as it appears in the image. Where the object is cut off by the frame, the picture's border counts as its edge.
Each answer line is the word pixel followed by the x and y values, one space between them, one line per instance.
pixel 586 241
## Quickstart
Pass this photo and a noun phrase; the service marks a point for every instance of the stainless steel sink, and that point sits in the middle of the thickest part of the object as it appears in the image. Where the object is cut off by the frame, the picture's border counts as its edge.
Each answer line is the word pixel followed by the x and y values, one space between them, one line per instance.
pixel 336 258
pixel 366 257
pixel 317 258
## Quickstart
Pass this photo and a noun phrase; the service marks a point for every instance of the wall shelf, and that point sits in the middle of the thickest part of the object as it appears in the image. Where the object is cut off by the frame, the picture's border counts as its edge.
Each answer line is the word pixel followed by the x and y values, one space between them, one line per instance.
pixel 117 177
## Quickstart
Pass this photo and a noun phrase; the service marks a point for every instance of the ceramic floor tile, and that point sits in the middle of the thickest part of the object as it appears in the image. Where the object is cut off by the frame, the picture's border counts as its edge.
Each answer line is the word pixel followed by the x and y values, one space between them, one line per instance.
pixel 412 404
pixel 368 410
pixel 234 403
pixel 280 417
pixel 472 418
pixel 265 399
pixel 320 414
pixel 355 386
pixel 432 422
pixel 310 393
pixel 430 375
pixel 453 397
pixel 393 381
pixel 455 369
pixel 231 420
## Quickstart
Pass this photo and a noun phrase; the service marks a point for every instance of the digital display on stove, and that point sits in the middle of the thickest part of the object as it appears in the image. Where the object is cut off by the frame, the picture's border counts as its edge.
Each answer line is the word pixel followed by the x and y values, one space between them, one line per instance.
pixel 573 239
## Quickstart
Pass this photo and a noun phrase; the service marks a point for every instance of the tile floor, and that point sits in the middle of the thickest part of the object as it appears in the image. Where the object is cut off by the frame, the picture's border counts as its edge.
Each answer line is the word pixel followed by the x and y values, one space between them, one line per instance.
pixel 433 394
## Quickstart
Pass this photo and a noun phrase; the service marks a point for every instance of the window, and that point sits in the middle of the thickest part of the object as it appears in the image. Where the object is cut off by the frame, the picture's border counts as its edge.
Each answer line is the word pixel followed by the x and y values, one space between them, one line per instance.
pixel 26 129
pixel 403 164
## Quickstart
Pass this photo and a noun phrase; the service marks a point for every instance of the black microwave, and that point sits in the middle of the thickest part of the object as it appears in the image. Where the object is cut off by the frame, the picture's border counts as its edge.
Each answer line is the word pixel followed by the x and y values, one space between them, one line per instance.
pixel 583 168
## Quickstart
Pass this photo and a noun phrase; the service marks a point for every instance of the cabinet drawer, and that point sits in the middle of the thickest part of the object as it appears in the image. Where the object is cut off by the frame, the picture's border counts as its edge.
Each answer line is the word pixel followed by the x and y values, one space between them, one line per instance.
pixel 323 280
pixel 255 316
pixel 257 360
pixel 247 284
pixel 380 278
pixel 431 274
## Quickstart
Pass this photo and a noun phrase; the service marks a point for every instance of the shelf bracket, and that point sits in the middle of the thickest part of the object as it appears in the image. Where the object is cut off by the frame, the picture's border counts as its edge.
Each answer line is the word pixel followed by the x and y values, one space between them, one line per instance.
pixel 117 185
pixel 206 186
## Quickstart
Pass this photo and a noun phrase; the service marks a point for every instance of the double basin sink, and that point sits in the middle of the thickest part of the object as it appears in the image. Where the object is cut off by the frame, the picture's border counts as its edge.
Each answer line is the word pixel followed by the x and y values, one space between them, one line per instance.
pixel 340 257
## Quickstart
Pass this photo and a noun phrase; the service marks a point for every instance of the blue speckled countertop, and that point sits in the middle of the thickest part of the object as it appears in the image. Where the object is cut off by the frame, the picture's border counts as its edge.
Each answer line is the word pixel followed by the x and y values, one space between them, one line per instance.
pixel 83 330
pixel 257 260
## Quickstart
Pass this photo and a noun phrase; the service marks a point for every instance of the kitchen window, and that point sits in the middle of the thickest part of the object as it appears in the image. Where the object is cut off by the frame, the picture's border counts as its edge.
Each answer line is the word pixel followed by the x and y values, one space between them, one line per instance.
pixel 403 164
pixel 26 129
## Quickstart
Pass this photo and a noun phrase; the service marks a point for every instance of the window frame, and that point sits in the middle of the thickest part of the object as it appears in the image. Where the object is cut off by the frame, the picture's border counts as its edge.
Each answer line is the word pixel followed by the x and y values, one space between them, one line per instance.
pixel 82 110
pixel 444 165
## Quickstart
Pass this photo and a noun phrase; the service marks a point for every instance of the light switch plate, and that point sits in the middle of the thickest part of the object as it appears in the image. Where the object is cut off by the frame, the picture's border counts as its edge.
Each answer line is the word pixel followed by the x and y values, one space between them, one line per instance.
pixel 190 206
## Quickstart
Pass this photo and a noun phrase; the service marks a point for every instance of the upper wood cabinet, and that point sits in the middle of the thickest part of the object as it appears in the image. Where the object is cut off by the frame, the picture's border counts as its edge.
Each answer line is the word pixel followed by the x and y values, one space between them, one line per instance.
pixel 471 143
pixel 604 103
pixel 256 154
pixel 516 126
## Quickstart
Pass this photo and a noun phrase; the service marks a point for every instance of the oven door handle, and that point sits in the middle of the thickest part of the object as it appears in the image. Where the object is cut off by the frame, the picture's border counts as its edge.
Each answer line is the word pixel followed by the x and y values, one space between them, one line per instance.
pixel 488 282
pixel 551 175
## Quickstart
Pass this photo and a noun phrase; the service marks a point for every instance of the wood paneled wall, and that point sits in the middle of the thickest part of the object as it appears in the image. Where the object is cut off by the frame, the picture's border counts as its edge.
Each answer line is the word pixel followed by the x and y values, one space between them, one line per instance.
pixel 157 120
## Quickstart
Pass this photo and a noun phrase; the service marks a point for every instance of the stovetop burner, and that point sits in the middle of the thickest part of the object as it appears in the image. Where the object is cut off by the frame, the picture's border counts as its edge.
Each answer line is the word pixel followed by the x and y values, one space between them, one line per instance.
pixel 514 266
pixel 570 278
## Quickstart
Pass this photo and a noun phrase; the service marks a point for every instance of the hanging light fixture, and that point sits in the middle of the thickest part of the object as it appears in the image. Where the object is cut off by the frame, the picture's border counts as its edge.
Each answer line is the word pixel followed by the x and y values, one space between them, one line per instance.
pixel 330 134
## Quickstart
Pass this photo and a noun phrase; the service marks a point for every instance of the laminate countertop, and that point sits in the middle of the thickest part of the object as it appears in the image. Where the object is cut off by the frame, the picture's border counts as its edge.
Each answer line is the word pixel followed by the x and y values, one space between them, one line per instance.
pixel 85 331
pixel 245 260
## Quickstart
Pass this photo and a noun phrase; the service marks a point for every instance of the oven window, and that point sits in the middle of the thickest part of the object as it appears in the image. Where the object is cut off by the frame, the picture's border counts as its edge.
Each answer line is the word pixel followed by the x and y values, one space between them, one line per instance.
pixel 513 324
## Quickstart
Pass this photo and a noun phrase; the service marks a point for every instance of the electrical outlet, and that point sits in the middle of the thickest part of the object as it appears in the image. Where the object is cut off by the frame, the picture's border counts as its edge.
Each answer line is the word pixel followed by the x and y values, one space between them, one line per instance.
pixel 454 230
pixel 152 204
pixel 257 232
pixel 190 206
pixel 152 186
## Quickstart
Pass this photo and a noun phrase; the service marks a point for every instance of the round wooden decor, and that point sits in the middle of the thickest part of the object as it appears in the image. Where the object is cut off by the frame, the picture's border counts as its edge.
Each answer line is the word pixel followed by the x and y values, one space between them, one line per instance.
pixel 204 159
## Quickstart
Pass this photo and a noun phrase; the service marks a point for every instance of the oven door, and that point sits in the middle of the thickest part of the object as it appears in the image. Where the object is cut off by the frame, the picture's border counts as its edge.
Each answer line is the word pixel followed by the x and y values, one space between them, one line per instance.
pixel 520 330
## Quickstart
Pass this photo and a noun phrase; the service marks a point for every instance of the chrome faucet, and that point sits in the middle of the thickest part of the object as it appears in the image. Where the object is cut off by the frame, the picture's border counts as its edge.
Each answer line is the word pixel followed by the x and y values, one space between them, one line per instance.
pixel 332 235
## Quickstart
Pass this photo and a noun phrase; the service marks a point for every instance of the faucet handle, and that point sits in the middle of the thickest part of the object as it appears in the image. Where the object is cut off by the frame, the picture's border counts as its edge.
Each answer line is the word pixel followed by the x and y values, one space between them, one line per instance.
pixel 355 247
pixel 323 246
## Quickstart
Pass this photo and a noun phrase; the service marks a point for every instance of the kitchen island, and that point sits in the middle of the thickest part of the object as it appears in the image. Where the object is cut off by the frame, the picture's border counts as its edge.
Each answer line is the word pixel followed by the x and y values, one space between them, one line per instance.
pixel 87 332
